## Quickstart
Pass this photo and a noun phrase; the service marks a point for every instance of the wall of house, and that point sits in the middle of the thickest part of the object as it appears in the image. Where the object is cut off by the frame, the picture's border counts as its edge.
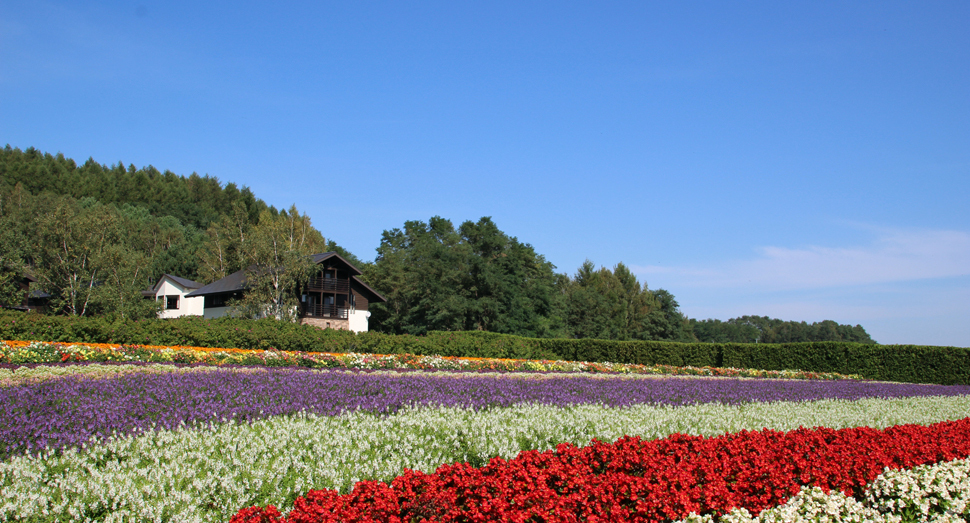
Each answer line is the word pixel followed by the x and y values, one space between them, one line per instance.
pixel 360 302
pixel 187 306
pixel 326 323
pixel 212 313
pixel 358 320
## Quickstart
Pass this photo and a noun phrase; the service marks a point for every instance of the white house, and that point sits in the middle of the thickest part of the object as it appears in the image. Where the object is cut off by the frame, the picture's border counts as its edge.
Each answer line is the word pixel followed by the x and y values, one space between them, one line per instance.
pixel 171 291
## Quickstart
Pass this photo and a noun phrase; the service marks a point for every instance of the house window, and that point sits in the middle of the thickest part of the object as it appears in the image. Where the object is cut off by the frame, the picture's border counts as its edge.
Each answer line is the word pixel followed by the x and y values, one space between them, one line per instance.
pixel 172 302
pixel 219 300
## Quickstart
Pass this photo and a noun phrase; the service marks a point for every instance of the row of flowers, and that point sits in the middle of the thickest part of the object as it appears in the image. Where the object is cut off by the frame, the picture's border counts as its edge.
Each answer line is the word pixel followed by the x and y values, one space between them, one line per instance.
pixel 33 352
pixel 637 480
pixel 938 493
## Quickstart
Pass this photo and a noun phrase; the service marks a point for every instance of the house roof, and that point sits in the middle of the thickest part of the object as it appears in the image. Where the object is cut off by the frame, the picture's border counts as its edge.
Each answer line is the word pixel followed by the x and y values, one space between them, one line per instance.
pixel 233 283
pixel 323 256
pixel 236 281
pixel 371 289
pixel 184 282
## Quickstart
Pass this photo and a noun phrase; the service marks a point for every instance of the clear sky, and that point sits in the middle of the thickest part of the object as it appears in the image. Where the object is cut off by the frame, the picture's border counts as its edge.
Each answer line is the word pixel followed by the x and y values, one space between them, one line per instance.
pixel 799 160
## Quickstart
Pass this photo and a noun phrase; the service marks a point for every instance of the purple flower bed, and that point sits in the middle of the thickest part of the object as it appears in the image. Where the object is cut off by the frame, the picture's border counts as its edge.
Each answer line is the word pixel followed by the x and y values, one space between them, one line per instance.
pixel 69 411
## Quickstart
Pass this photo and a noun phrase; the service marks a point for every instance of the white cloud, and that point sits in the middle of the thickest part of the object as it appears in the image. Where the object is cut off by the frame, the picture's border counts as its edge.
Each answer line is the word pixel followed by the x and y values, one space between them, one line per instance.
pixel 894 256
pixel 905 286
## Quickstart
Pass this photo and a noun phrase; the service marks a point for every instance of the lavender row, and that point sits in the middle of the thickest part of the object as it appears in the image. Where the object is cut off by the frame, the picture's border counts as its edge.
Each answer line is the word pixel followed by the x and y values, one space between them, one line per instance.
pixel 69 411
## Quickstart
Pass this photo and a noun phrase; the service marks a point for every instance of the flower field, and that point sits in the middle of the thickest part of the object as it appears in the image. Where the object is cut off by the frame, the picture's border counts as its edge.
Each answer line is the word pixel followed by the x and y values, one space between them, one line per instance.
pixel 213 443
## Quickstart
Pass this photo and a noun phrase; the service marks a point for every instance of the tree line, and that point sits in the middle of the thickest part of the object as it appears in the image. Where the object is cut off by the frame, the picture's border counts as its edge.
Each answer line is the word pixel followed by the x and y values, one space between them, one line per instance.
pixel 762 329
pixel 194 200
pixel 95 236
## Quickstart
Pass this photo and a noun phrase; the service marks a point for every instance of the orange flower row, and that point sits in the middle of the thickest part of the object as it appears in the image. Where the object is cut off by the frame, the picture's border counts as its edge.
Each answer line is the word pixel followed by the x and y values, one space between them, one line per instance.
pixel 116 346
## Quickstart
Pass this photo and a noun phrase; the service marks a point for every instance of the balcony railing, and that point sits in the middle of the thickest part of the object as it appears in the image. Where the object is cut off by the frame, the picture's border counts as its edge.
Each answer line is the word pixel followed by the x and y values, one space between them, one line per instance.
pixel 329 285
pixel 325 311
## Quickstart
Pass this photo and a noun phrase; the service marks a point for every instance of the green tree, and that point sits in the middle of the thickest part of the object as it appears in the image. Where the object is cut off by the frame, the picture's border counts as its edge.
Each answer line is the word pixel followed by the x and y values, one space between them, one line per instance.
pixel 509 287
pixel 94 258
pixel 196 201
pixel 279 255
pixel 762 329
pixel 15 209
pixel 669 323
pixel 345 254
pixel 613 305
pixel 225 246
pixel 474 278
pixel 608 304
pixel 72 239
pixel 420 270
pixel 588 307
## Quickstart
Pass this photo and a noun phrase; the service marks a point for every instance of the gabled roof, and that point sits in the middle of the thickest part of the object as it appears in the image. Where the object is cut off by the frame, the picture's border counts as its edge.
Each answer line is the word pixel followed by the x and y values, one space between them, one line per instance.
pixel 323 256
pixel 184 282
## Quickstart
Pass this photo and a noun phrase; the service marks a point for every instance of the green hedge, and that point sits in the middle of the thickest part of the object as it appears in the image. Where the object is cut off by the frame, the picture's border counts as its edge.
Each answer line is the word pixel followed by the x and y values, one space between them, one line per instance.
pixel 903 363
pixel 261 334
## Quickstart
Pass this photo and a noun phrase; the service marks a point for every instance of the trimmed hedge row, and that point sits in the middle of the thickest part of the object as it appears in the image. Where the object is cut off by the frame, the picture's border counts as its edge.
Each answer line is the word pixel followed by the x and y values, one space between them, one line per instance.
pixel 264 334
pixel 903 363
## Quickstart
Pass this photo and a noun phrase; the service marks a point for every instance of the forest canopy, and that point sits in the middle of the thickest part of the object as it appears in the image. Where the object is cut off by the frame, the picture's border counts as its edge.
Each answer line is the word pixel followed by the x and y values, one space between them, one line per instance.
pixel 94 236
pixel 762 329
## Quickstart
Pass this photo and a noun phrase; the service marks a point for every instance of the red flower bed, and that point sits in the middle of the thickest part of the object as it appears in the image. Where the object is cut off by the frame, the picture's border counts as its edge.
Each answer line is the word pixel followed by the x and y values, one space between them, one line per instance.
pixel 636 480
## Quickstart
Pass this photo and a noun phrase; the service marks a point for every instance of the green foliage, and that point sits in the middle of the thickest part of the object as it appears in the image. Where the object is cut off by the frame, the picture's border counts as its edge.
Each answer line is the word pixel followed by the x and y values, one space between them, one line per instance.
pixel 612 305
pixel 223 247
pixel 474 278
pixel 902 363
pixel 762 329
pixel 195 200
pixel 14 245
pixel 477 278
pixel 278 255
pixel 90 257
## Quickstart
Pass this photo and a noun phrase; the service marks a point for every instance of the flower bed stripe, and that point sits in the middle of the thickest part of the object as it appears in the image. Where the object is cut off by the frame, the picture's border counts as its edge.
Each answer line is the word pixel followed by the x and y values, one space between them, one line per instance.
pixel 27 352
pixel 637 480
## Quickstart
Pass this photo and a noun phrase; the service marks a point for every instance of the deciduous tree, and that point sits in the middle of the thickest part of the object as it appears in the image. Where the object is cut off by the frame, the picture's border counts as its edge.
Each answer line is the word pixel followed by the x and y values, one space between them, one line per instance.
pixel 278 253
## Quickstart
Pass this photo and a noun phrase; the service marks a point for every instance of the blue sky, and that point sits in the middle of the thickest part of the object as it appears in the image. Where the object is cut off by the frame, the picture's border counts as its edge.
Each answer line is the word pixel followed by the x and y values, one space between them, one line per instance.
pixel 800 160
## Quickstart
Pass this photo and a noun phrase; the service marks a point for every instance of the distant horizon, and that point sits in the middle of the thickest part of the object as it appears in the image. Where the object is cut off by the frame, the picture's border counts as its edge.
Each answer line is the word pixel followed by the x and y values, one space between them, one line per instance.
pixel 802 161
